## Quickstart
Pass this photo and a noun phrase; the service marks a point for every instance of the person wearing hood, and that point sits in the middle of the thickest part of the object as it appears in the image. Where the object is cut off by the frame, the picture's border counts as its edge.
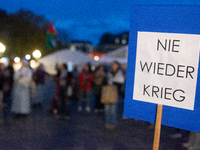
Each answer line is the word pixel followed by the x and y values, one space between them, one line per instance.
pixel 21 101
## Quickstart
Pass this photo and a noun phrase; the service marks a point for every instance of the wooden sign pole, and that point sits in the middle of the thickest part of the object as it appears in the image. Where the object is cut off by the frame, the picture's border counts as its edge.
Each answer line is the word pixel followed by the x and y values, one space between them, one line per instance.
pixel 157 128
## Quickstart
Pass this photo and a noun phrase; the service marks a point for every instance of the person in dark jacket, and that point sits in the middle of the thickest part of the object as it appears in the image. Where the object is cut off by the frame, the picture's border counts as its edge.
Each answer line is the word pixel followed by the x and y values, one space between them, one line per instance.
pixel 99 78
pixel 39 78
pixel 8 79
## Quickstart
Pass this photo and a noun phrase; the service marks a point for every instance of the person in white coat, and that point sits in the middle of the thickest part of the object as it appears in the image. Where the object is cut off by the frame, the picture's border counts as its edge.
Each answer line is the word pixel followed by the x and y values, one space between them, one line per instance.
pixel 21 102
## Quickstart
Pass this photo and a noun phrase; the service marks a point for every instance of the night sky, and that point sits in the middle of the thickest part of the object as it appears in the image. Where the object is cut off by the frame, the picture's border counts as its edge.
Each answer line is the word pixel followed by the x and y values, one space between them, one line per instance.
pixel 85 19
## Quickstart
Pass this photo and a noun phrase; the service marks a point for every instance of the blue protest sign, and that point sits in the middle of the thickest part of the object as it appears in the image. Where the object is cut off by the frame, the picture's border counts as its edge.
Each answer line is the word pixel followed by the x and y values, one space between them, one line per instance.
pixel 163 65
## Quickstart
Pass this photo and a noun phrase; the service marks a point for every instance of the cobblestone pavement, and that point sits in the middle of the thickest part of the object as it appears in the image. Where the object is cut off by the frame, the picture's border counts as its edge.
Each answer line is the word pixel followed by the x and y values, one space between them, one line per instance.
pixel 83 131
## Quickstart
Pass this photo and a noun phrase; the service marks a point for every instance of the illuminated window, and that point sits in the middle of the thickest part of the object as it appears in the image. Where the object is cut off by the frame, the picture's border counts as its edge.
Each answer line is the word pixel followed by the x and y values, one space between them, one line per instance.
pixel 123 41
pixel 116 41
pixel 72 47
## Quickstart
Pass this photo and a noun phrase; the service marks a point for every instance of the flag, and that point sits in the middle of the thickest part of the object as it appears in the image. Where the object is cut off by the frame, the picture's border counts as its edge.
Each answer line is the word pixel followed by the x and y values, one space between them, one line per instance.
pixel 51 35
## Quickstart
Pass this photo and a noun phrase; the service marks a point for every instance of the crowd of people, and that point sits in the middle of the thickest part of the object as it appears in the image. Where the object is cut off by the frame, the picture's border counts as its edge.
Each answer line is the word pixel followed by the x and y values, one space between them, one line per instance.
pixel 79 86
pixel 16 94
pixel 18 97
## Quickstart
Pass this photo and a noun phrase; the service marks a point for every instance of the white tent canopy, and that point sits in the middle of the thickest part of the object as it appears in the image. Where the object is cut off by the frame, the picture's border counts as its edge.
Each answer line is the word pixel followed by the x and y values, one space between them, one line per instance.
pixel 119 55
pixel 110 60
pixel 121 52
pixel 65 56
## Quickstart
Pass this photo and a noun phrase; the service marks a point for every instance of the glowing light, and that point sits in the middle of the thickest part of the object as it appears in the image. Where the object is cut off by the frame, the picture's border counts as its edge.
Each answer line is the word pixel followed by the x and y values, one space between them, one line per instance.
pixel 4 60
pixel 16 59
pixel 96 58
pixel 28 57
pixel 37 54
pixel 73 48
pixel 32 63
pixel 124 41
pixel 2 48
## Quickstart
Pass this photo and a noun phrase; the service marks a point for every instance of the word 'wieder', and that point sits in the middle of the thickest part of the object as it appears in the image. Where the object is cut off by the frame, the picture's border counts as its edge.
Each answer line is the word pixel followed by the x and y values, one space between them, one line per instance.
pixel 180 71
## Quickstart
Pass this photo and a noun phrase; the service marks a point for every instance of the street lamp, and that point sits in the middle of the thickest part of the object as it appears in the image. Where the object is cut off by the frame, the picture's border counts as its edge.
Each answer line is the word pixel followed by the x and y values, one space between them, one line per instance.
pixel 28 57
pixel 2 48
pixel 17 64
pixel 96 58
pixel 16 59
pixel 37 54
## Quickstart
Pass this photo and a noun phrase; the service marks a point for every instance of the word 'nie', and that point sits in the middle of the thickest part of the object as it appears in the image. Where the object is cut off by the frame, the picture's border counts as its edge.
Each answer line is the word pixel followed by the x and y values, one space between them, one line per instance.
pixel 168 45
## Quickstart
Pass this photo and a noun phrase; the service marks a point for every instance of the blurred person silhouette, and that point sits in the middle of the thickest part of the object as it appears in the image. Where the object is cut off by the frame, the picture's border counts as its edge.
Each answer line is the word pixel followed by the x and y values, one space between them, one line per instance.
pixel 114 77
pixel 7 88
pixel 193 142
pixel 1 88
pixel 75 72
pixel 57 68
pixel 75 83
pixel 54 102
pixel 39 77
pixel 62 110
pixel 11 72
pixel 99 78
pixel 85 87
pixel 21 100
